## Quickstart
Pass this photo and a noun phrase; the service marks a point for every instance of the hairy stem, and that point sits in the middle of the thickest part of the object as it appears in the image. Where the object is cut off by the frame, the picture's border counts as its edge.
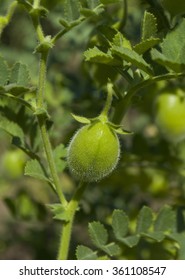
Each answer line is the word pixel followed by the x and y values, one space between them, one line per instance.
pixel 43 129
pixel 67 226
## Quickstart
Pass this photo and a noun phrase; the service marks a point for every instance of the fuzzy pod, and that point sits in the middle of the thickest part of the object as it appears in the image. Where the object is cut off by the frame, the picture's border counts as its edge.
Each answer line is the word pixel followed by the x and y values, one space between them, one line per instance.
pixel 93 152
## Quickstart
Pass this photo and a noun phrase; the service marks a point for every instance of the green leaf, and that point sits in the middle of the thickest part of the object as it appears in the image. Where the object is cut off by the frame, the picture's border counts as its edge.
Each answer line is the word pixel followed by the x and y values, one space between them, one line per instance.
pixel 35 170
pixel 111 249
pixel 120 41
pixel 11 128
pixel 59 155
pixel 166 220
pixel 98 234
pixel 149 26
pixel 81 119
pixel 157 235
pixel 180 238
pixel 173 49
pixel 85 253
pixel 71 10
pixel 120 223
pixel 163 60
pixel 144 46
pixel 173 46
pixel 96 55
pixel 144 220
pixel 132 57
pixel 60 212
pixel 4 72
pixel 20 75
pixel 122 131
pixel 93 3
pixel 131 241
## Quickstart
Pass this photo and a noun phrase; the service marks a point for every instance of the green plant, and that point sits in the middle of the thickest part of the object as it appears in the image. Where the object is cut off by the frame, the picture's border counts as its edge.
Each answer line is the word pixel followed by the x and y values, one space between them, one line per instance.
pixel 35 113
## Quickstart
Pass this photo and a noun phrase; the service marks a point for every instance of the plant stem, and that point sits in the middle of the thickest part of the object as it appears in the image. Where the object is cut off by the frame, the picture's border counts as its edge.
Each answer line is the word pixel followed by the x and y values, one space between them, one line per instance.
pixel 67 226
pixel 124 103
pixel 43 129
pixel 40 105
pixel 108 102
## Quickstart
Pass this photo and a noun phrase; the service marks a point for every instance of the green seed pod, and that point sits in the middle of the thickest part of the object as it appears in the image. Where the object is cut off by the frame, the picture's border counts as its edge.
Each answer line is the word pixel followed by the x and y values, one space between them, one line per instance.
pixel 93 152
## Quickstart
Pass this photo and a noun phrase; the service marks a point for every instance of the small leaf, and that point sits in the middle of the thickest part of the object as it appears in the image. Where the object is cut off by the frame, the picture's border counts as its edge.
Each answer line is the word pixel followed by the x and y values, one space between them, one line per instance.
pixel 166 220
pixel 34 169
pixel 71 10
pixel 4 72
pixel 59 154
pixel 60 212
pixel 163 60
pixel 85 253
pixel 131 241
pixel 120 41
pixel 20 75
pixel 98 234
pixel 96 55
pixel 144 46
pixel 81 119
pixel 119 224
pixel 180 238
pixel 173 48
pixel 111 249
pixel 11 128
pixel 122 131
pixel 149 26
pixel 144 220
pixel 157 235
pixel 132 57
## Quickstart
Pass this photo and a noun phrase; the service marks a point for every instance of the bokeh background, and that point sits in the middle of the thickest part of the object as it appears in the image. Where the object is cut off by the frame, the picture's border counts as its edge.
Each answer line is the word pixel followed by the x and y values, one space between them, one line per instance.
pixel 150 172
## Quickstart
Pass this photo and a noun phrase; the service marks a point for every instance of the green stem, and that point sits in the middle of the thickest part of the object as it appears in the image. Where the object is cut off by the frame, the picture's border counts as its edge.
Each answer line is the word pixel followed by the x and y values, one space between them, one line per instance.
pixel 36 3
pixel 124 16
pixel 124 103
pixel 108 102
pixel 67 226
pixel 43 129
pixel 41 119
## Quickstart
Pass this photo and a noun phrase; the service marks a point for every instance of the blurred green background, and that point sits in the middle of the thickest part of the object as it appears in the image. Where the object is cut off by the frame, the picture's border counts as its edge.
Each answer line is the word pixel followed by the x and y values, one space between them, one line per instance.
pixel 150 172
